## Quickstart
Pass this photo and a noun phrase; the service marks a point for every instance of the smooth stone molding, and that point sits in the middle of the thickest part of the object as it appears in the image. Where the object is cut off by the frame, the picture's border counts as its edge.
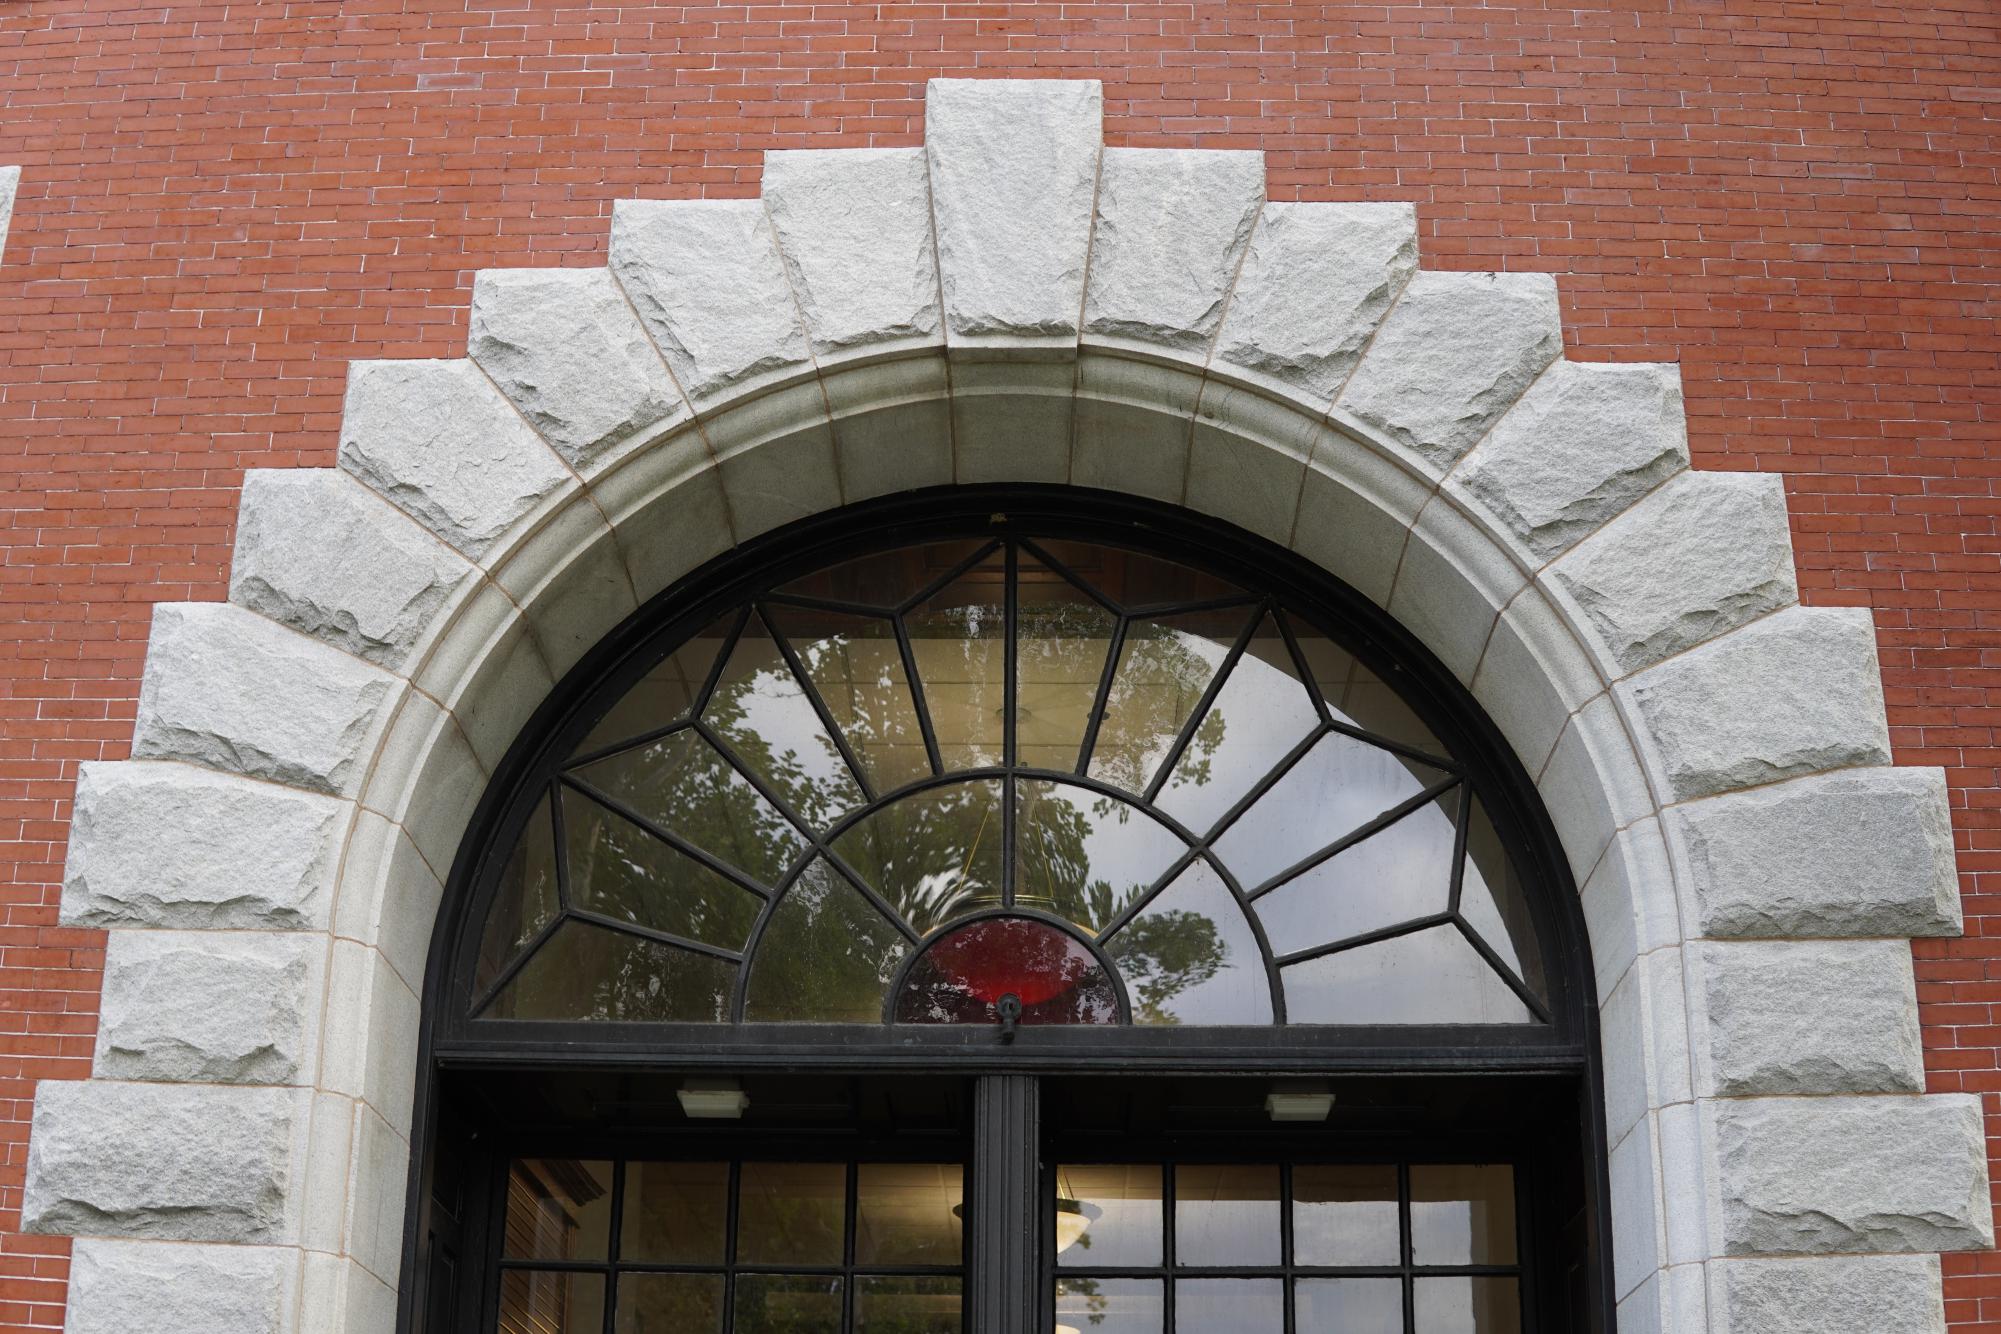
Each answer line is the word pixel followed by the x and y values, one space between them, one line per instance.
pixel 1852 1175
pixel 437 440
pixel 1858 852
pixel 164 1162
pixel 1811 1016
pixel 1872 1294
pixel 10 186
pixel 317 551
pixel 226 688
pixel 174 845
pixel 1792 694
pixel 209 1007
pixel 125 1287
pixel 1014 172
pixel 1584 443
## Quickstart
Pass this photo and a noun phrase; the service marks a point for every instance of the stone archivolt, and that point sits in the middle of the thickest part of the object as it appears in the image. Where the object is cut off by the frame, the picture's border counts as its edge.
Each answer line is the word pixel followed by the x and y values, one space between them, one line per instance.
pixel 1011 303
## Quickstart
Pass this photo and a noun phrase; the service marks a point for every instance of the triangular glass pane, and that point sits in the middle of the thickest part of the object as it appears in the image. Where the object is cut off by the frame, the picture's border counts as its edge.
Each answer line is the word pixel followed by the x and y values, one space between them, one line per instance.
pixel 959 640
pixel 933 855
pixel 1133 579
pixel 1428 977
pixel 885 579
pixel 856 666
pixel 763 715
pixel 1358 697
pixel 618 870
pixel 525 900
pixel 1393 876
pixel 1261 713
pixel 588 972
pixel 1190 957
pixel 1338 786
pixel 665 694
pixel 1495 904
pixel 1084 856
pixel 1163 670
pixel 1061 639
pixel 684 786
pixel 826 957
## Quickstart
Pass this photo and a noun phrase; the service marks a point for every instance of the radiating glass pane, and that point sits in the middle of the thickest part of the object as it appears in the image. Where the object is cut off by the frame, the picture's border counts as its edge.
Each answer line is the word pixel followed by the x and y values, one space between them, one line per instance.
pixel 1135 579
pixel 1357 696
pixel 1164 667
pixel 683 786
pixel 557 1209
pixel 826 958
pixel 963 977
pixel 787 1304
pixel 1392 876
pixel 525 900
pixel 1262 711
pixel 1462 1215
pixel 1337 787
pixel 763 714
pixel 791 1213
pixel 1119 1207
pixel 538 1302
pixel 675 1213
pixel 885 579
pixel 1495 903
pixel 1428 977
pixel 621 871
pixel 1190 957
pixel 1109 1306
pixel 903 1213
pixel 1226 1214
pixel 1061 638
pixel 1348 1306
pixel 1229 1305
pixel 1084 856
pixel 1469 1306
pixel 913 1305
pixel 665 694
pixel 588 972
pixel 958 637
pixel 1345 1214
pixel 933 855
pixel 855 664
pixel 669 1304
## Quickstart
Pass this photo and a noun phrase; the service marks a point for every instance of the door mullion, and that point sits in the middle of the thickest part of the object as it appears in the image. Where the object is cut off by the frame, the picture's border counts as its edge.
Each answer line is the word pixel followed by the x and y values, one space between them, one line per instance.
pixel 1004 1278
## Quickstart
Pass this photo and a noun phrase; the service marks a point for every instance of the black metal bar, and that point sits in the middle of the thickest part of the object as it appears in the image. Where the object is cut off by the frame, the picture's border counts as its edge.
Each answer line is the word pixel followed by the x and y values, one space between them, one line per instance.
pixel 851 1209
pixel 1003 1283
pixel 1010 711
pixel 732 1220
pixel 1404 1249
pixel 692 851
pixel 1217 680
pixel 916 688
pixel 613 1243
pixel 1340 845
pixel 1168 1203
pixel 1285 1246
pixel 1409 928
pixel 642 932
pixel 1070 576
pixel 944 581
pixel 1102 700
pixel 812 693
pixel 1459 828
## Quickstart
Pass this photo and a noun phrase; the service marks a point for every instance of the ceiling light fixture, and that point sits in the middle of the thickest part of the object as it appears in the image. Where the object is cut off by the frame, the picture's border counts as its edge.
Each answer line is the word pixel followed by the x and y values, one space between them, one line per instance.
pixel 1299 1102
pixel 713 1099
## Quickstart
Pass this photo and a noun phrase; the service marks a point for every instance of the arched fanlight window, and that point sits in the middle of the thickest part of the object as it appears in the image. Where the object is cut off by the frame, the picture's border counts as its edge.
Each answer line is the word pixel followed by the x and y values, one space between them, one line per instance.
pixel 1012 780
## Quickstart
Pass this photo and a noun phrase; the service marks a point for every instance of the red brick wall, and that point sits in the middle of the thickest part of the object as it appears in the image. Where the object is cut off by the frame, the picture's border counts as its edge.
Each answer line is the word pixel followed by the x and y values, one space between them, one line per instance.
pixel 223 203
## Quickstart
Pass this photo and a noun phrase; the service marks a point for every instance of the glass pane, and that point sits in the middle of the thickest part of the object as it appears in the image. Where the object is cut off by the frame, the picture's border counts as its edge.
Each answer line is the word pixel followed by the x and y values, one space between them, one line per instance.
pixel 855 664
pixel 1226 1214
pixel 669 1304
pixel 1469 1306
pixel 1462 1215
pixel 525 900
pixel 1428 977
pixel 1163 669
pixel 665 694
pixel 683 786
pixel 903 1213
pixel 1229 1306
pixel 963 976
pixel 557 1209
pixel 933 855
pixel 791 1213
pixel 1495 903
pixel 1190 957
pixel 1357 696
pixel 1117 1221
pixel 1392 876
pixel 1134 579
pixel 762 712
pixel 675 1213
pixel 1349 1306
pixel 1061 638
pixel 787 1304
pixel 1109 1306
pixel 908 1306
pixel 959 640
pixel 588 972
pixel 1084 856
pixel 620 871
pixel 886 579
pixel 536 1302
pixel 1262 711
pixel 826 958
pixel 1336 788
pixel 1345 1214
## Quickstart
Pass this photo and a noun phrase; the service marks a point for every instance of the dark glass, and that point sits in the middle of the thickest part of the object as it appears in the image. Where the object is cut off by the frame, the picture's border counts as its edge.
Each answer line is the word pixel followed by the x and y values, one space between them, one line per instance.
pixel 675 1213
pixel 791 1213
pixel 1118 1220
pixel 1229 1306
pixel 1462 1215
pixel 963 976
pixel 525 900
pixel 827 956
pixel 621 871
pixel 1190 957
pixel 1164 666
pixel 958 638
pixel 769 724
pixel 1495 904
pixel 588 972
pixel 1084 856
pixel 905 1213
pixel 1226 1214
pixel 935 854
pixel 665 694
pixel 1348 1306
pixel 912 1305
pixel 1109 1306
pixel 1134 579
pixel 1428 977
pixel 885 579
pixel 857 668
pixel 1469 1306
pixel 787 1304
pixel 669 1304
pixel 1061 640
pixel 1346 1215
pixel 557 1209
pixel 1394 875
pixel 536 1301
pixel 1356 696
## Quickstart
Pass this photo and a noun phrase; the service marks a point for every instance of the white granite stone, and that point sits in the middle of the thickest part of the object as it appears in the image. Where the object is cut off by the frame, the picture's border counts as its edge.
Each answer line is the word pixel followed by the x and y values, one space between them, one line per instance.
pixel 1810 1016
pixel 136 1287
pixel 10 186
pixel 1862 1294
pixel 209 1007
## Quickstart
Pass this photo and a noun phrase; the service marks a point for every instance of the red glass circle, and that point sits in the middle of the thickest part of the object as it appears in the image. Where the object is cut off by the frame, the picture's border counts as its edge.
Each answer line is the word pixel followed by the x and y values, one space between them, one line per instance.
pixel 963 976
